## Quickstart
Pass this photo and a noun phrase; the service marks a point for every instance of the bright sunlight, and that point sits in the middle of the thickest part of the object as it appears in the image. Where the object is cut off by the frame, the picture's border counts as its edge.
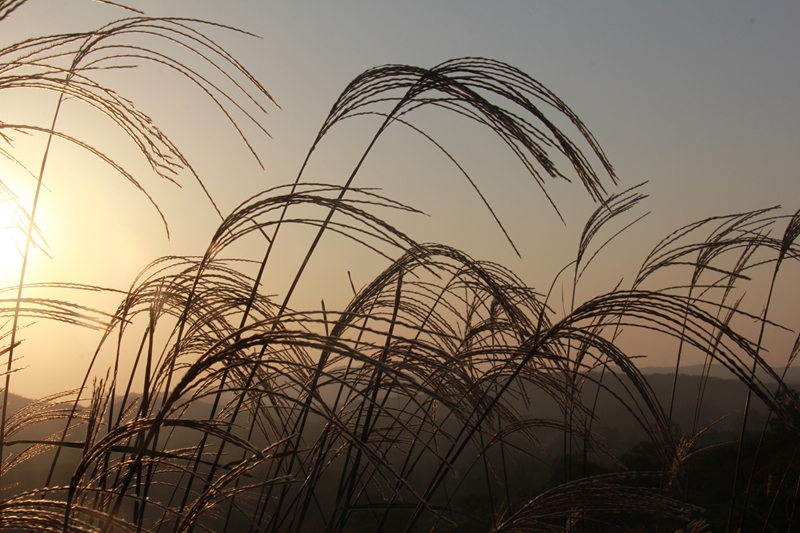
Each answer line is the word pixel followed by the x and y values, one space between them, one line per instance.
pixel 11 245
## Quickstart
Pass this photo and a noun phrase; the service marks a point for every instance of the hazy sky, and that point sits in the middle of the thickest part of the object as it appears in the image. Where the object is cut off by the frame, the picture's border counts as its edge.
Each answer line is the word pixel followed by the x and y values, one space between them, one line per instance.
pixel 700 98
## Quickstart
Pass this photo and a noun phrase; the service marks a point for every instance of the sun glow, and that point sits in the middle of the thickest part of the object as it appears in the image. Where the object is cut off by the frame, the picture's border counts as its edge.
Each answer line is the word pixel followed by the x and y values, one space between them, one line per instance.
pixel 15 202
pixel 12 237
pixel 11 246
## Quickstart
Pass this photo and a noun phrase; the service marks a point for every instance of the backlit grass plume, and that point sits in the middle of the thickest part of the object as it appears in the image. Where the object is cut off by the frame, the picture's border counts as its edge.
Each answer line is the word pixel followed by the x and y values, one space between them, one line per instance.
pixel 438 383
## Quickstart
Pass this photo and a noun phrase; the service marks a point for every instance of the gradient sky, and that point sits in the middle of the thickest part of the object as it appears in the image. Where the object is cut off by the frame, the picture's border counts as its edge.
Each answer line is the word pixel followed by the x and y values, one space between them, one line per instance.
pixel 698 98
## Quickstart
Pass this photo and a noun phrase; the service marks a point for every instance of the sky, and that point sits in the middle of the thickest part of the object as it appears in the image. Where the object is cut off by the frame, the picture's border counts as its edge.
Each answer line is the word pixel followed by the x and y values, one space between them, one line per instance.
pixel 697 98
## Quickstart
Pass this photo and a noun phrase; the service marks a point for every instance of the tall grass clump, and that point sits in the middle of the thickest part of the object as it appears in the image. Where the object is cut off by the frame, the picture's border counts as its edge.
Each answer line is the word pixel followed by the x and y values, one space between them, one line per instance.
pixel 431 399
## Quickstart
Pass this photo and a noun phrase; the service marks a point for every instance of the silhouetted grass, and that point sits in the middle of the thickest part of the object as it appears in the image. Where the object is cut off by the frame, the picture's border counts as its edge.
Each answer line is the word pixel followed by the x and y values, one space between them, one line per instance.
pixel 419 404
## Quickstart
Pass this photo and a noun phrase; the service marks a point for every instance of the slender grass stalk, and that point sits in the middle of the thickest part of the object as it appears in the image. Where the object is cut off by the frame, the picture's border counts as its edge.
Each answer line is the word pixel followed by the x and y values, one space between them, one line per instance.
pixel 790 235
pixel 23 269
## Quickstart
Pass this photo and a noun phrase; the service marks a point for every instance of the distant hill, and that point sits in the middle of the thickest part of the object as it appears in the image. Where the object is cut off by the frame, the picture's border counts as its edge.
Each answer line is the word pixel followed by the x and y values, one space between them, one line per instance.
pixel 615 425
pixel 717 371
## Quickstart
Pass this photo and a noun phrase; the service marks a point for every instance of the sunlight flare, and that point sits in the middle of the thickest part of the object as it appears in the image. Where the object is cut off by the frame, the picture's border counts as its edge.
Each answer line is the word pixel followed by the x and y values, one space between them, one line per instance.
pixel 12 244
